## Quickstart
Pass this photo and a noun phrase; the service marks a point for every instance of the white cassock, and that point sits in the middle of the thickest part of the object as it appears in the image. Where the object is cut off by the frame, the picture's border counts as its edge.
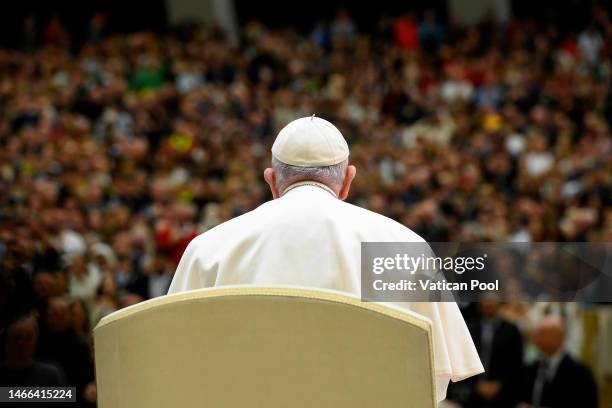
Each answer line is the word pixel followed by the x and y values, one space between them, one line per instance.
pixel 310 238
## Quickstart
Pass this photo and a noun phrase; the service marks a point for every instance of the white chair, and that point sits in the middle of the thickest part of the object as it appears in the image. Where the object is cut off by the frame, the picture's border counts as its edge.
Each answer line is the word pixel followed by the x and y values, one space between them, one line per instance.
pixel 263 347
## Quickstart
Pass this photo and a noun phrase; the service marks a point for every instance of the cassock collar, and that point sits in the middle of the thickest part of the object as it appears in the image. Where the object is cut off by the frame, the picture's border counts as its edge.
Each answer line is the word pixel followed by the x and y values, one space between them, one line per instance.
pixel 309 183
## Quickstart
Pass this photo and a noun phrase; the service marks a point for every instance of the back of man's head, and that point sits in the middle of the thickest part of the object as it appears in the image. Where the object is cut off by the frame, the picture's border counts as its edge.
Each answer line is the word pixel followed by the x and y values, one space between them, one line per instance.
pixel 310 149
pixel 286 174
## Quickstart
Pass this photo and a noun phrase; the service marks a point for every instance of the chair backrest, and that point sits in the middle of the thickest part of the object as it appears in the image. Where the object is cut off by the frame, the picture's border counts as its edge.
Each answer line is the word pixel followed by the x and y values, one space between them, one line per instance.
pixel 273 347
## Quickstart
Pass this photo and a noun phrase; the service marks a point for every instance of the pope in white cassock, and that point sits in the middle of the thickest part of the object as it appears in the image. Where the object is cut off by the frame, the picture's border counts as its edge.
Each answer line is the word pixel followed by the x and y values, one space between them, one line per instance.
pixel 308 236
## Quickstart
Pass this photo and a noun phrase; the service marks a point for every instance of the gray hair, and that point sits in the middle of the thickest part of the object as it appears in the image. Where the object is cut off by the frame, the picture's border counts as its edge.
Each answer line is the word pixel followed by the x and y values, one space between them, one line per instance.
pixel 287 174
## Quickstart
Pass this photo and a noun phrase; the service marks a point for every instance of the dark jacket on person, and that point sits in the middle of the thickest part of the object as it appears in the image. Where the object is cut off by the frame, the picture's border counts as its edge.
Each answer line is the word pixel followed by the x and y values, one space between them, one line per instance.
pixel 571 386
pixel 502 357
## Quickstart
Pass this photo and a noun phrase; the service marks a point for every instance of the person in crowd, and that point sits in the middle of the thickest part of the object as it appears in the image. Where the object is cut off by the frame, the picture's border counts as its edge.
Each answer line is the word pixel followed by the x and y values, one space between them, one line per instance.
pixel 80 320
pixel 556 380
pixel 19 367
pixel 60 344
pixel 500 347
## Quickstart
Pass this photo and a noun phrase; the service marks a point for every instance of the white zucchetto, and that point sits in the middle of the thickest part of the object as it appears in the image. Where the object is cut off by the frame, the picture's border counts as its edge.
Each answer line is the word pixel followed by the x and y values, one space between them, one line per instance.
pixel 310 142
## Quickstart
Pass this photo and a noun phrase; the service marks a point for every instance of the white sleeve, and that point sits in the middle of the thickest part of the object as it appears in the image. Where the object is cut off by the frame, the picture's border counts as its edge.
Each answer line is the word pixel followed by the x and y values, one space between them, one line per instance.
pixel 188 271
pixel 455 356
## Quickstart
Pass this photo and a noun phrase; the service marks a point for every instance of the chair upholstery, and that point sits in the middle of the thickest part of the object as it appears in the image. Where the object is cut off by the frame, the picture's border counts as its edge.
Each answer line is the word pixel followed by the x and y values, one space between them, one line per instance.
pixel 263 347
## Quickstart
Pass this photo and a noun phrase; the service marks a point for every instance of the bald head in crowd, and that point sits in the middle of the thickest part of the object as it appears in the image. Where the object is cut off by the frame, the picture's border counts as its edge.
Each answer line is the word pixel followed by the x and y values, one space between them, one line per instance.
pixel 549 335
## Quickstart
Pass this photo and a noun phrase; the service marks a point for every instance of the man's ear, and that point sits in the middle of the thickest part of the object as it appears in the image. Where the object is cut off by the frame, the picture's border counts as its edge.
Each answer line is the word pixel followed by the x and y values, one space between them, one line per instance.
pixel 351 171
pixel 270 178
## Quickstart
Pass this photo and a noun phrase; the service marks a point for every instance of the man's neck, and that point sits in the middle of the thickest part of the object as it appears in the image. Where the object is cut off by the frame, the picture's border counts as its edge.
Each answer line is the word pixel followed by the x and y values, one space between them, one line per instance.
pixel 309 183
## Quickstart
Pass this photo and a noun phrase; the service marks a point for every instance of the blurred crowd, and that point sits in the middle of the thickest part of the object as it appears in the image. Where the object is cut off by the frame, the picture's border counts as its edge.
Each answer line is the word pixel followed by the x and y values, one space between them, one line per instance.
pixel 113 157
